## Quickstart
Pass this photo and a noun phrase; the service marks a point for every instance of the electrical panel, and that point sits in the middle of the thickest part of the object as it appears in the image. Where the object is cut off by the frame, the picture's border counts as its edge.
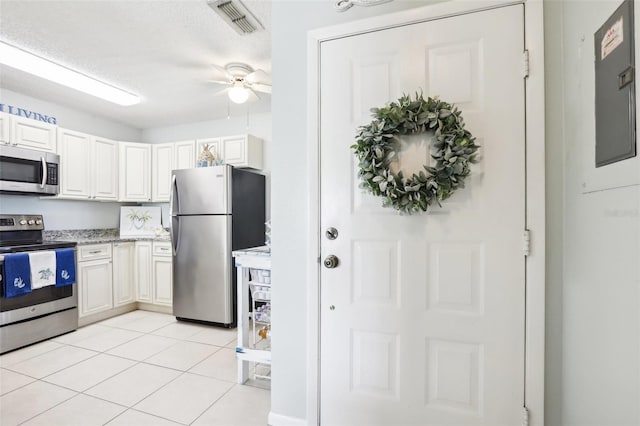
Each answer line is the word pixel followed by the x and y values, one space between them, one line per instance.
pixel 615 87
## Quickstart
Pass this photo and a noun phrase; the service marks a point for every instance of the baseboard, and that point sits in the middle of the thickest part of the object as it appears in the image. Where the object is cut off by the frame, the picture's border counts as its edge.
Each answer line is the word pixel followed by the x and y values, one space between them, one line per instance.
pixel 280 420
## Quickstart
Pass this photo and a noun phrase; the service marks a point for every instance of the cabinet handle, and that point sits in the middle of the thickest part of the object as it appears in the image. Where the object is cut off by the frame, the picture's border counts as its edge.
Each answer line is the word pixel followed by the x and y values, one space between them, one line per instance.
pixel 95 251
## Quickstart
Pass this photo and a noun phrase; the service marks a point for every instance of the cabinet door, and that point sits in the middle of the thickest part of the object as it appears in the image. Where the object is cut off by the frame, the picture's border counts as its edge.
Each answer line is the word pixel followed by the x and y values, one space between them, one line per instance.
pixel 243 151
pixel 214 145
pixel 5 137
pixel 143 272
pixel 185 155
pixel 161 165
pixel 235 150
pixel 135 173
pixel 123 274
pixel 33 134
pixel 104 169
pixel 95 287
pixel 75 169
pixel 162 280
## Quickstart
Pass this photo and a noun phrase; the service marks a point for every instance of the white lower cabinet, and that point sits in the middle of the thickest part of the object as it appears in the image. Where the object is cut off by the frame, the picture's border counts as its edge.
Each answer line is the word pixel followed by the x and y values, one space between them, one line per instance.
pixel 154 272
pixel 95 279
pixel 111 276
pixel 143 271
pixel 162 274
pixel 162 278
pixel 123 273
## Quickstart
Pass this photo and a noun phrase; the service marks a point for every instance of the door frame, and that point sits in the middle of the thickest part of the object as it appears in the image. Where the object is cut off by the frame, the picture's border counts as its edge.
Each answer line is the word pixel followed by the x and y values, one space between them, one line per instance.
pixel 535 186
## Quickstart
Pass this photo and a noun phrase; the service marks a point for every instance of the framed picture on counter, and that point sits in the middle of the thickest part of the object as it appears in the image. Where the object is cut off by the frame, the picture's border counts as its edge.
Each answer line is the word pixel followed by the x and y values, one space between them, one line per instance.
pixel 139 221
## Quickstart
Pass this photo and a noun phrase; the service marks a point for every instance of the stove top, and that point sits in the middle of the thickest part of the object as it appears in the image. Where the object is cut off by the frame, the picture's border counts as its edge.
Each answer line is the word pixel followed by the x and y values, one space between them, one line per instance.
pixel 24 233
pixel 14 247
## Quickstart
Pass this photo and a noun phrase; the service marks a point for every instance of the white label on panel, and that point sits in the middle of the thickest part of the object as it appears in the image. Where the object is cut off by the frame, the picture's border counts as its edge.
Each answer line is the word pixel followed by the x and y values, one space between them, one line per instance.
pixel 456 277
pixel 374 358
pixel 375 272
pixel 454 376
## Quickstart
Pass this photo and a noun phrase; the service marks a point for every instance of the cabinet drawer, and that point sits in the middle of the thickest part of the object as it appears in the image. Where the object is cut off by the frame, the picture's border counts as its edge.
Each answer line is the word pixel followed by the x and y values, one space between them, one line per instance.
pixel 162 248
pixel 94 252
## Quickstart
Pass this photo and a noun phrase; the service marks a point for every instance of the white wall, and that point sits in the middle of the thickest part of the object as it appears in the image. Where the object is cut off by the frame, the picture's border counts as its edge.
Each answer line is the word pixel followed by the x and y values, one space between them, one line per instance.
pixel 289 212
pixel 60 214
pixel 593 306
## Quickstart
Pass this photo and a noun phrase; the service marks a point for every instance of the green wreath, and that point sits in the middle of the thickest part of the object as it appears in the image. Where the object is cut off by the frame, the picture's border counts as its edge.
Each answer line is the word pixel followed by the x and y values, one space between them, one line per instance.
pixel 376 147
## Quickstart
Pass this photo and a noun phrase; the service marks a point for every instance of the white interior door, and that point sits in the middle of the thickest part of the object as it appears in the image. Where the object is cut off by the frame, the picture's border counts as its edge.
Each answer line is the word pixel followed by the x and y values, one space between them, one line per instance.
pixel 422 322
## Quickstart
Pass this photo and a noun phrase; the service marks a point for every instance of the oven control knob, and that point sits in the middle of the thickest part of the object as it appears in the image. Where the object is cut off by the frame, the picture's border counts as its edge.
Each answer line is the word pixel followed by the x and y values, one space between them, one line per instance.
pixel 23 222
pixel 38 222
pixel 32 222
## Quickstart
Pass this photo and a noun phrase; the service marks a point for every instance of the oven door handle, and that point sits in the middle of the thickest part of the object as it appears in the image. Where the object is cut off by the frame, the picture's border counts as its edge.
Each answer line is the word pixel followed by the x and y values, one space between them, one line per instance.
pixel 43 162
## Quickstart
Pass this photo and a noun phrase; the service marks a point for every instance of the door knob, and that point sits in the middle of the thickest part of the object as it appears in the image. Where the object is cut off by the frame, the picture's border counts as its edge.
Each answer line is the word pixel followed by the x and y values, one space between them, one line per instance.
pixel 331 261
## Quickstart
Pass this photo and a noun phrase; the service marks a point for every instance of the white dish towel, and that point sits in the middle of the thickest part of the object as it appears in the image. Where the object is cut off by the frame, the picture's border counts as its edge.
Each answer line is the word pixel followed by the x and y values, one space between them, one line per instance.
pixel 43 268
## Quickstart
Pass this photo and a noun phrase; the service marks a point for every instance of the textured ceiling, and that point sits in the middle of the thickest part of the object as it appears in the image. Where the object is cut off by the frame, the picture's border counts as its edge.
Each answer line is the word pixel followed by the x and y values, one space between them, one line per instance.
pixel 161 50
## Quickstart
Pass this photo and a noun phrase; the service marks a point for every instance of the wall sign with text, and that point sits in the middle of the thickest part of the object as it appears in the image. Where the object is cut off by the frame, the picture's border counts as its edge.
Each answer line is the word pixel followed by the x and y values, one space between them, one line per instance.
pixel 22 112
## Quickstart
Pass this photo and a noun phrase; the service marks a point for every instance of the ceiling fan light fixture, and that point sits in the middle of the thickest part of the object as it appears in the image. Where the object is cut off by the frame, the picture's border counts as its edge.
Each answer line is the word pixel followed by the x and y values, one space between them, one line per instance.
pixel 238 94
pixel 22 60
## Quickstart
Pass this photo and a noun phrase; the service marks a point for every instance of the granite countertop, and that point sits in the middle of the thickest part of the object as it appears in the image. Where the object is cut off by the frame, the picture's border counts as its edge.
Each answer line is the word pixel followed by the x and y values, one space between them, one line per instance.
pixel 96 236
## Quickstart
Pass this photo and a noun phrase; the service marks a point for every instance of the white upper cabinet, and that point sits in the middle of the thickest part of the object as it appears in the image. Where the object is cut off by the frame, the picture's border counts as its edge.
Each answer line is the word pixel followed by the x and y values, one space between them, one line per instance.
pixel 27 133
pixel 240 151
pixel 104 166
pixel 89 166
pixel 5 129
pixel 165 158
pixel 185 155
pixel 162 162
pixel 214 145
pixel 243 151
pixel 74 149
pixel 33 134
pixel 135 172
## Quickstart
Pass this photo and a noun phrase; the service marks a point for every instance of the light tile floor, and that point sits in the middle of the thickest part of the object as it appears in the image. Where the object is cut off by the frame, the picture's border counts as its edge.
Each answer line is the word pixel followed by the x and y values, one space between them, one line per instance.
pixel 140 368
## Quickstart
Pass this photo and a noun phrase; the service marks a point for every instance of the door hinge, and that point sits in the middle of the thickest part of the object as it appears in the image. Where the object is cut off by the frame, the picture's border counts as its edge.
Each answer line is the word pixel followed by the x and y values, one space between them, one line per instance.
pixel 526 242
pixel 525 64
pixel 525 416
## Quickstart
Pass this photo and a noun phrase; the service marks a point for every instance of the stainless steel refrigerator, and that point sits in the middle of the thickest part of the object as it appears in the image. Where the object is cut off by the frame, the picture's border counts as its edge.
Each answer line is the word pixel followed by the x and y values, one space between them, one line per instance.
pixel 214 210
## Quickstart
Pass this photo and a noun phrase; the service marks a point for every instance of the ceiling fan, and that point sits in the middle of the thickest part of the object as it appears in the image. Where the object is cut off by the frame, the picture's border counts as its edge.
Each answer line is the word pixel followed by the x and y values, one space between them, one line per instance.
pixel 244 81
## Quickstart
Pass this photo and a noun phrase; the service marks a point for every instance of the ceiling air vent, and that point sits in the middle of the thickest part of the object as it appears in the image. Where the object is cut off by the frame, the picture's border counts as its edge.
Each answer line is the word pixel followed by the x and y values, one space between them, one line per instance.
pixel 236 15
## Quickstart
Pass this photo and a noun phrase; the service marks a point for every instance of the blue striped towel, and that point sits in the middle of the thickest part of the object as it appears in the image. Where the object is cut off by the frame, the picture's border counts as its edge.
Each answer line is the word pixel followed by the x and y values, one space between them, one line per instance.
pixel 17 274
pixel 65 267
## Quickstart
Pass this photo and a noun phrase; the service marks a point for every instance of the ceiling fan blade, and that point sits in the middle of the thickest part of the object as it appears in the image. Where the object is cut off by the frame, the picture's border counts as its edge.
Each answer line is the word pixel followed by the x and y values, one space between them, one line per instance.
pixel 260 87
pixel 222 72
pixel 258 76
pixel 252 95
pixel 221 91
pixel 228 83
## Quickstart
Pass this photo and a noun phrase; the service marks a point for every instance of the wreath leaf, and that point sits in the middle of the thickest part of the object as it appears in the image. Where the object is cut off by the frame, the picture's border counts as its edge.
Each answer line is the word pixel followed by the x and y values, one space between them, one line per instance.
pixel 453 148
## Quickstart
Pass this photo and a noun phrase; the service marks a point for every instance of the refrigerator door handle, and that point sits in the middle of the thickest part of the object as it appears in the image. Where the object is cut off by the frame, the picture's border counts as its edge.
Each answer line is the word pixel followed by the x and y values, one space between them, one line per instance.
pixel 173 197
pixel 175 234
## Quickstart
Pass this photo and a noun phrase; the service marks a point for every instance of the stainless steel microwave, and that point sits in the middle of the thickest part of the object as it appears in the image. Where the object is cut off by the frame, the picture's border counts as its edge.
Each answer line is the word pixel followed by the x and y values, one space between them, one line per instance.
pixel 28 172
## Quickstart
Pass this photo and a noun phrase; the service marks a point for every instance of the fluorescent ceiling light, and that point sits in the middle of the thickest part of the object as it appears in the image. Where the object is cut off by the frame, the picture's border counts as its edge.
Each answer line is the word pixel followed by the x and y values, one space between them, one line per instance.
pixel 40 67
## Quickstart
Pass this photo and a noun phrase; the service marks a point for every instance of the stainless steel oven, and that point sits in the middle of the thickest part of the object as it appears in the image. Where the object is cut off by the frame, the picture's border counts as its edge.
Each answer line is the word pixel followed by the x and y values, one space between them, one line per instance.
pixel 28 172
pixel 45 312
